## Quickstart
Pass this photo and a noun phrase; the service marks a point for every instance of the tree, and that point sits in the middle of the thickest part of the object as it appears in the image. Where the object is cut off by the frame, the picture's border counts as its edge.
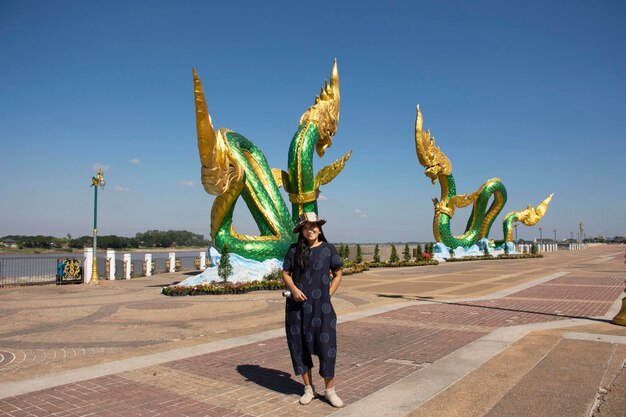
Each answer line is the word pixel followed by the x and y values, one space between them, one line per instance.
pixel 376 254
pixel 394 254
pixel 406 253
pixel 419 252
pixel 344 251
pixel 533 249
pixel 359 255
pixel 225 269
pixel 506 248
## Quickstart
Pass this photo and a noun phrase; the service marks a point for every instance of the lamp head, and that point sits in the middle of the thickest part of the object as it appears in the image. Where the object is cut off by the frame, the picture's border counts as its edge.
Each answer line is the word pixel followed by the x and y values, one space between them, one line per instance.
pixel 101 181
pixel 98 179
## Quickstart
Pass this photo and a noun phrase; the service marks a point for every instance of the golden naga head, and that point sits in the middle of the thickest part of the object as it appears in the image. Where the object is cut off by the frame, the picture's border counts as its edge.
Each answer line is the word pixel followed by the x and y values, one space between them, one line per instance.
pixel 429 155
pixel 530 215
pixel 325 112
pixel 219 170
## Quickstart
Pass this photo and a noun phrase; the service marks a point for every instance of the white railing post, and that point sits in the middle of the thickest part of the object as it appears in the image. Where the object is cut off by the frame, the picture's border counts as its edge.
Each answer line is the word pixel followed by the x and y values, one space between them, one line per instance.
pixel 172 256
pixel 147 258
pixel 87 264
pixel 110 257
pixel 202 260
pixel 127 265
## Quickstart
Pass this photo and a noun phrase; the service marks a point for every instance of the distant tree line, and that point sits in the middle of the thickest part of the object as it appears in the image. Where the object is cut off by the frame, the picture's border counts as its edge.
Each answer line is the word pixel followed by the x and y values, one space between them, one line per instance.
pixel 149 239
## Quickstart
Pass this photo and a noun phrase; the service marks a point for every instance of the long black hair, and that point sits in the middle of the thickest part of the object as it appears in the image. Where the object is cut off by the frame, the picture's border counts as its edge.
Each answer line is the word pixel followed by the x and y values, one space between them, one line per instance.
pixel 302 248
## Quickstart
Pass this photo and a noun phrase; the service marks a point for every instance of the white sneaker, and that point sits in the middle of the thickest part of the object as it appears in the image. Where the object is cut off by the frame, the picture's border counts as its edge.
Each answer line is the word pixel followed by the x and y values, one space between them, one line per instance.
pixel 333 398
pixel 309 394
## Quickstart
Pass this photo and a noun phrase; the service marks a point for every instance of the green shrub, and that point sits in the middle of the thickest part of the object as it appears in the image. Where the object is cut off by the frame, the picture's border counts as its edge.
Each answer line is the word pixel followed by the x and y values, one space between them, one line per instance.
pixel 394 255
pixel 359 254
pixel 225 269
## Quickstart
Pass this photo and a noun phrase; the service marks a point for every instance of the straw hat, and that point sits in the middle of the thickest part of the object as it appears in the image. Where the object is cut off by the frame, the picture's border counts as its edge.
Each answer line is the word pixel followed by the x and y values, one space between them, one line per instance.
pixel 309 217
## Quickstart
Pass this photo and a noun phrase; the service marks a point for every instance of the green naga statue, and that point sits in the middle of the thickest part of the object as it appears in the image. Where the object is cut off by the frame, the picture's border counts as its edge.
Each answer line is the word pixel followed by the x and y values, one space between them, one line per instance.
pixel 233 167
pixel 439 168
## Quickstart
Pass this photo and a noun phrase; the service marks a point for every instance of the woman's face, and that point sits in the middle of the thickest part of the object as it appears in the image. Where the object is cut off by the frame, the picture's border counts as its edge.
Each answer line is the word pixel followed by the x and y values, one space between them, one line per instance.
pixel 311 232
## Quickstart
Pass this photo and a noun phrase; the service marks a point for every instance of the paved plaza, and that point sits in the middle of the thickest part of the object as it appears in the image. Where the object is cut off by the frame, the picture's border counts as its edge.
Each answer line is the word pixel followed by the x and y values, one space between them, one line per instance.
pixel 508 338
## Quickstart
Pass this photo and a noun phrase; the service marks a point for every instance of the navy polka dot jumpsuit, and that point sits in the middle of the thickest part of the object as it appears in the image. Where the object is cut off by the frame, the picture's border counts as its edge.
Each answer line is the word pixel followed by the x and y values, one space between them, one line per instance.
pixel 311 325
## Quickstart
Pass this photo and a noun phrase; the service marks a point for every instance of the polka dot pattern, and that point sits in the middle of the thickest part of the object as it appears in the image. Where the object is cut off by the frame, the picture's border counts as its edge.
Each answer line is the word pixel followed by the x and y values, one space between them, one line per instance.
pixel 311 325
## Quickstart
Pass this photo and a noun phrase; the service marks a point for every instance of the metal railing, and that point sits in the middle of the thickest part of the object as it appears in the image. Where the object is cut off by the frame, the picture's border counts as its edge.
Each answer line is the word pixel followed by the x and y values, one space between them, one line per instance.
pixel 27 271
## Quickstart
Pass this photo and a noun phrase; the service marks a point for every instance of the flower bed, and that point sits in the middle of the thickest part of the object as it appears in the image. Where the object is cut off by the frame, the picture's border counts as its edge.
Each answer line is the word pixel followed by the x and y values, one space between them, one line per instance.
pixel 350 268
pixel 402 263
pixel 495 258
pixel 217 288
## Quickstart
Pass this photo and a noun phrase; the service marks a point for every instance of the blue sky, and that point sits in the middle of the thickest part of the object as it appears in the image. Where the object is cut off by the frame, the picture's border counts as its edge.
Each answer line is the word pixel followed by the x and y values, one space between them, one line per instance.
pixel 531 92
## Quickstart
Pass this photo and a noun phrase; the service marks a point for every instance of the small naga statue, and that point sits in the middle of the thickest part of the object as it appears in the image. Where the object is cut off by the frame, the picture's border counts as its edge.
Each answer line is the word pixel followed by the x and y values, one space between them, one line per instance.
pixel 233 167
pixel 439 168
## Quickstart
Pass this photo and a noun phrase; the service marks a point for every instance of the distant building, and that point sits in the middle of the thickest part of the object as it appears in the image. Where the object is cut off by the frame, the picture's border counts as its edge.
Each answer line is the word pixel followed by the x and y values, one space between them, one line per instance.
pixel 8 243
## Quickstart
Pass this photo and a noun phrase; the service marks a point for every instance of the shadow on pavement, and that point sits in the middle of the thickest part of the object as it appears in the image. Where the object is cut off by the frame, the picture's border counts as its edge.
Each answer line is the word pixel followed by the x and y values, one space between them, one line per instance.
pixel 412 297
pixel 273 379
pixel 162 285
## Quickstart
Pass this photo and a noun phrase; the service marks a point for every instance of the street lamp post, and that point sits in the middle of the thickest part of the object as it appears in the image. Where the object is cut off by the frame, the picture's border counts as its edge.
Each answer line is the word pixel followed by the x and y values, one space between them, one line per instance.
pixel 541 234
pixel 96 181
pixel 555 234
pixel 515 227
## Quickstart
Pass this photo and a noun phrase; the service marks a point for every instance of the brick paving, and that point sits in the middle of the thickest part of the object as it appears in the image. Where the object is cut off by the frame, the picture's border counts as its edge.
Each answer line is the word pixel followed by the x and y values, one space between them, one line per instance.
pixel 256 379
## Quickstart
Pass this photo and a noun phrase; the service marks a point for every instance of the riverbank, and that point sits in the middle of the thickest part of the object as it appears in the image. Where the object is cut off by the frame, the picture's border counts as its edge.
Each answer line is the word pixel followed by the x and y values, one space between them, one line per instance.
pixel 64 251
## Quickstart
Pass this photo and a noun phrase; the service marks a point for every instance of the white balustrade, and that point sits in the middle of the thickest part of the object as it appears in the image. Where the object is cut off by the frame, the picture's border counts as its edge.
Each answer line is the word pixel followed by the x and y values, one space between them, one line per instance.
pixel 127 265
pixel 202 260
pixel 87 264
pixel 172 258
pixel 110 258
pixel 147 258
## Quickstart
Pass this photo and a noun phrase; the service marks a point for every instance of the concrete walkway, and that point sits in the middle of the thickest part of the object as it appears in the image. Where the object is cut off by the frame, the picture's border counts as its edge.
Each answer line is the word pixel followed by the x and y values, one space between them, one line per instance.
pixel 499 338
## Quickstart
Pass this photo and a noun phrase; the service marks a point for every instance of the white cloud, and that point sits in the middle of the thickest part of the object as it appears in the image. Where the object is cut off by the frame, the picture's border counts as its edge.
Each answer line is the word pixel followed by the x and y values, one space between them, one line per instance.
pixel 121 189
pixel 322 197
pixel 360 213
pixel 97 166
pixel 187 183
pixel 134 161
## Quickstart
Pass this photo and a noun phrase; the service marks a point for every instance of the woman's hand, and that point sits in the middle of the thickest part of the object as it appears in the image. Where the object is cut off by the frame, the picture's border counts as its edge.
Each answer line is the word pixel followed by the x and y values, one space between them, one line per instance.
pixel 334 284
pixel 298 295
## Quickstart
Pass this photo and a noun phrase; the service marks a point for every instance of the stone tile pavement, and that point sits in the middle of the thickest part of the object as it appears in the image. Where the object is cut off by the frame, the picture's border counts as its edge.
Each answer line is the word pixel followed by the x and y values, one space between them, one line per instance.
pixel 125 350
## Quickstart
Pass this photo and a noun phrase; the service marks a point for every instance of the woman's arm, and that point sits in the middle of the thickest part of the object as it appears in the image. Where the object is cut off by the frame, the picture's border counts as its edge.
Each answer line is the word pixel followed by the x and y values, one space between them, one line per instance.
pixel 337 274
pixel 296 294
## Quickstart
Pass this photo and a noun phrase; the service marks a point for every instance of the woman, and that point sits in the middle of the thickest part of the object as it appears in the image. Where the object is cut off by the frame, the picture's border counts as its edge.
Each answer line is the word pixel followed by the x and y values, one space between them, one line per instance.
pixel 310 320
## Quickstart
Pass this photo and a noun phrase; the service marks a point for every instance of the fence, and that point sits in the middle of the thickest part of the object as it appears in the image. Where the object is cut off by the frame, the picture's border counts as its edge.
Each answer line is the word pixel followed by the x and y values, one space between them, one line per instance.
pixel 27 271
pixel 44 269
